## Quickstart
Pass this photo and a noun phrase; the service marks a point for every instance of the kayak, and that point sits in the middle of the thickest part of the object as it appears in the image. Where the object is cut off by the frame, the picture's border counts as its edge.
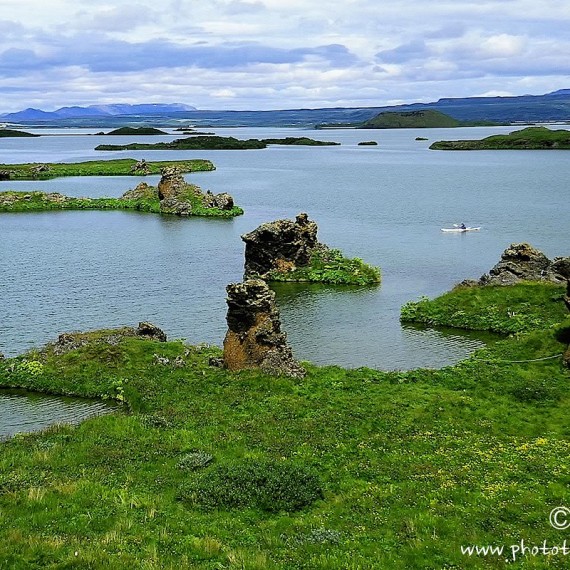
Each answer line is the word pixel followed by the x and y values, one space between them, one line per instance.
pixel 460 230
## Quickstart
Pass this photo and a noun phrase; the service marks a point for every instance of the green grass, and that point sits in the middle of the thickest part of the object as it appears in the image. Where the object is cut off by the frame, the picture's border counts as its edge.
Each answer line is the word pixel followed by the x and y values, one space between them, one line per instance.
pixel 41 202
pixel 518 308
pixel 5 133
pixel 531 138
pixel 120 167
pixel 355 469
pixel 330 266
pixel 426 118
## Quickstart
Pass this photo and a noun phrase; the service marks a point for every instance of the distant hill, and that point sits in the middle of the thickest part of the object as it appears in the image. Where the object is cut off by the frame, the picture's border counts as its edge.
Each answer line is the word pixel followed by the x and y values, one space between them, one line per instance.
pixel 410 119
pixel 136 131
pixel 551 107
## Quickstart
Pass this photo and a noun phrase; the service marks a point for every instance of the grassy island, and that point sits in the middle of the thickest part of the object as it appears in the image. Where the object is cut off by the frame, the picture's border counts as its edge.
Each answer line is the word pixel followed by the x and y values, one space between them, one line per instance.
pixel 410 120
pixel 10 133
pixel 344 469
pixel 329 265
pixel 145 201
pixel 120 167
pixel 135 131
pixel 216 143
pixel 531 138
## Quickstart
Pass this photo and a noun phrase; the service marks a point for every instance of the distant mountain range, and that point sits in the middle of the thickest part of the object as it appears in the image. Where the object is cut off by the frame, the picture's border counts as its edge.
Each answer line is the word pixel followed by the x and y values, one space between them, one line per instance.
pixel 98 111
pixel 550 107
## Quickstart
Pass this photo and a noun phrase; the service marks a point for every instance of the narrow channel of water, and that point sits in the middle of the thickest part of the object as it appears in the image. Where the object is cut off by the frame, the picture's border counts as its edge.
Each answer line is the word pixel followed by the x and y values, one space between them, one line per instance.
pixel 22 411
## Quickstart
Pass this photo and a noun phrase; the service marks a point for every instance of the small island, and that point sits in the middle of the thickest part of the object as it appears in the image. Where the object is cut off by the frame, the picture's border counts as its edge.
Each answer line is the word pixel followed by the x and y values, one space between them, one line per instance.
pixel 120 167
pixel 173 195
pixel 9 133
pixel 288 250
pixel 531 138
pixel 216 143
pixel 367 143
pixel 127 131
pixel 410 120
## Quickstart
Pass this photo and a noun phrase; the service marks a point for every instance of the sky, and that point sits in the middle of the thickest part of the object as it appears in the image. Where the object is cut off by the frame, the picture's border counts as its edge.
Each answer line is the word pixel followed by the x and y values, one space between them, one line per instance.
pixel 278 54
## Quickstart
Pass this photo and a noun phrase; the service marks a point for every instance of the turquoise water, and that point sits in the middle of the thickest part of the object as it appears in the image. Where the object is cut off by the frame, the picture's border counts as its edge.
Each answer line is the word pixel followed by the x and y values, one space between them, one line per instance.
pixel 386 204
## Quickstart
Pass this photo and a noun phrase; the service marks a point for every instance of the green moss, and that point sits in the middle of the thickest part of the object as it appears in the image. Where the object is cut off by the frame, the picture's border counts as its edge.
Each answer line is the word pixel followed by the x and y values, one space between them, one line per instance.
pixel 120 167
pixel 330 266
pixel 503 309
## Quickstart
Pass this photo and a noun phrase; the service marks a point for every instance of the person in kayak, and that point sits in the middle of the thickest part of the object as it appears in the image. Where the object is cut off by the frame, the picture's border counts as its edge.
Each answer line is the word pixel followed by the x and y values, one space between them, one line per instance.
pixel 463 226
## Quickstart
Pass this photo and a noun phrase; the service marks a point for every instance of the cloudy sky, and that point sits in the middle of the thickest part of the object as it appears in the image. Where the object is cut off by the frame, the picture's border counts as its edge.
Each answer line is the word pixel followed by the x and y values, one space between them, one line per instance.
pixel 278 54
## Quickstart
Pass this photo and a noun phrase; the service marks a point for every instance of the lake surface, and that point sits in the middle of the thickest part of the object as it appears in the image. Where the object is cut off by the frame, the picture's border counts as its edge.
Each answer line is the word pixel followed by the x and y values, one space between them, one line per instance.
pixel 22 411
pixel 63 271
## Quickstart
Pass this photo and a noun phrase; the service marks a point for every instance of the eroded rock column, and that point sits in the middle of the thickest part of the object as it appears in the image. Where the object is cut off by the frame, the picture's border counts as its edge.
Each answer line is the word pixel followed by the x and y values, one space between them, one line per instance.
pixel 254 338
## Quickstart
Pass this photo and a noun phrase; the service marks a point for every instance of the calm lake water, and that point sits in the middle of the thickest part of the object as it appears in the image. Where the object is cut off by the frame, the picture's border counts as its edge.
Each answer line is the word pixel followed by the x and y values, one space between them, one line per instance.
pixel 65 271
pixel 22 411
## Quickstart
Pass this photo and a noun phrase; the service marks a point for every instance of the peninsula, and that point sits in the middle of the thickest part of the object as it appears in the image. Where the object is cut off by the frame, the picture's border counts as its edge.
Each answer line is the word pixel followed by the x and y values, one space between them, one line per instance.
pixel 173 195
pixel 531 138
pixel 119 167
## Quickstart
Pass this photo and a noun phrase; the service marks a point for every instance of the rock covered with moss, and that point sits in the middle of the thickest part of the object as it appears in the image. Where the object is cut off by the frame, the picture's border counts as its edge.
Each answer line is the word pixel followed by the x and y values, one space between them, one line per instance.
pixel 178 197
pixel 288 250
pixel 523 262
pixel 254 338
pixel 67 342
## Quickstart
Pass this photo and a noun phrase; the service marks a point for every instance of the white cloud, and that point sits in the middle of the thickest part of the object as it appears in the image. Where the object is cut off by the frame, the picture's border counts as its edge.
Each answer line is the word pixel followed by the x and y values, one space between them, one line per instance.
pixel 277 54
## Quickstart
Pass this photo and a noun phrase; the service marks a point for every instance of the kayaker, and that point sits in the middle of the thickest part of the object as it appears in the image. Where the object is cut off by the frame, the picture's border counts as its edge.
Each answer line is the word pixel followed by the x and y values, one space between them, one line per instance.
pixel 463 226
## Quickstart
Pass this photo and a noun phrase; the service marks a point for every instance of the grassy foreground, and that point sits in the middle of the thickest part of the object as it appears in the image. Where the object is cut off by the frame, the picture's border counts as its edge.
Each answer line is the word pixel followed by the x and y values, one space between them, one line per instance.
pixel 343 470
pixel 42 202
pixel 120 167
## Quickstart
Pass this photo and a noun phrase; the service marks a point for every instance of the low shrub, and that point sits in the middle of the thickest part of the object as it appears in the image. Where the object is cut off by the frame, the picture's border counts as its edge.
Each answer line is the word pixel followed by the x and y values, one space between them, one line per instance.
pixel 271 486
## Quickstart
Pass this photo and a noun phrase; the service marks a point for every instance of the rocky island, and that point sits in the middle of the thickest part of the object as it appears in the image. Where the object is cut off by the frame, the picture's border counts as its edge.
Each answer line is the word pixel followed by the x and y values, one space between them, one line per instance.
pixel 216 143
pixel 288 250
pixel 173 195
pixel 531 138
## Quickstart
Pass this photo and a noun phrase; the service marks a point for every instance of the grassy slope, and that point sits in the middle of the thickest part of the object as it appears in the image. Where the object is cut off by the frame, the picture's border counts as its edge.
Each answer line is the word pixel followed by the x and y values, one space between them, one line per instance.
pixel 120 167
pixel 413 464
pixel 40 202
pixel 531 138
pixel 519 308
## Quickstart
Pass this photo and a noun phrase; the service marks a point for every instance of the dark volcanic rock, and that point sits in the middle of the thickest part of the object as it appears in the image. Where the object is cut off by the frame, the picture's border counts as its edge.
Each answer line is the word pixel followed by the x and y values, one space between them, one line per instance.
pixel 254 338
pixel 172 183
pixel 278 245
pixel 175 195
pixel 522 262
pixel 150 331
pixel 141 192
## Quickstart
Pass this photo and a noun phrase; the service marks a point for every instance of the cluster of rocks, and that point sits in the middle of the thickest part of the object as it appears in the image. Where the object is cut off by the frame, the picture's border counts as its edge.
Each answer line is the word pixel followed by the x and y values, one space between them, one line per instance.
pixel 254 338
pixel 281 245
pixel 175 194
pixel 67 342
pixel 522 262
